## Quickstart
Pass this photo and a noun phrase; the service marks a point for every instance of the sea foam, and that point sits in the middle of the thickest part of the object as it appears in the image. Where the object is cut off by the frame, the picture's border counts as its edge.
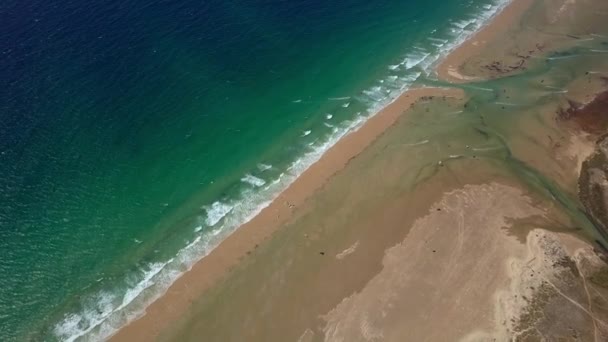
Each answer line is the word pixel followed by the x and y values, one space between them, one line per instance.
pixel 216 212
pixel 264 167
pixel 253 180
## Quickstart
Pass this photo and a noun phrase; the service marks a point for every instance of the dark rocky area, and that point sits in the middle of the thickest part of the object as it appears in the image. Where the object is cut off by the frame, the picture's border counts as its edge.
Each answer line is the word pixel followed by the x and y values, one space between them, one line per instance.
pixel 592 118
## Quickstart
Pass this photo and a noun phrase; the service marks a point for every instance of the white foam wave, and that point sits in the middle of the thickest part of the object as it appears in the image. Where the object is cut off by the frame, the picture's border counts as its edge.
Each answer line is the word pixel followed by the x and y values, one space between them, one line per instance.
pixel 375 94
pixel 462 24
pixel 102 306
pixel 263 167
pixel 460 31
pixel 253 180
pixel 145 283
pixel 438 40
pixel 392 78
pixel 216 212
pixel 305 133
pixel 414 58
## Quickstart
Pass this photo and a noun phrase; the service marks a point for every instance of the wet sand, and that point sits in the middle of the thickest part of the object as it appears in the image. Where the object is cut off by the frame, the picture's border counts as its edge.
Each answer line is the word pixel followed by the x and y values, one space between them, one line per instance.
pixel 421 225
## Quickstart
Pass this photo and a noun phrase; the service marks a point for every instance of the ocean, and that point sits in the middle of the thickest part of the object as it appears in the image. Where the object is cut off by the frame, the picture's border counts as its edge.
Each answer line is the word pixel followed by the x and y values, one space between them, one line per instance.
pixel 136 135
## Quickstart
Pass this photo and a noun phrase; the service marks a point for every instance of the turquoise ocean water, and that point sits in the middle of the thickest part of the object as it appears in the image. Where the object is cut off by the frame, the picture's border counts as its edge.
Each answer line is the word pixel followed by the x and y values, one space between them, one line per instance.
pixel 135 135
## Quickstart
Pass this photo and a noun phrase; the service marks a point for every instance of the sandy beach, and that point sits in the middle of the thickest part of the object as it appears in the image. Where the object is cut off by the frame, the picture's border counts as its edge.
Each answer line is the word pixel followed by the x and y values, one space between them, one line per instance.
pixel 449 215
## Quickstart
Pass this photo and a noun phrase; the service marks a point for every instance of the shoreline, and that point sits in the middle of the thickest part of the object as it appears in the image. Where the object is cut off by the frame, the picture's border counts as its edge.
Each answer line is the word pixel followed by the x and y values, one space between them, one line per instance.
pixel 229 253
pixel 218 263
